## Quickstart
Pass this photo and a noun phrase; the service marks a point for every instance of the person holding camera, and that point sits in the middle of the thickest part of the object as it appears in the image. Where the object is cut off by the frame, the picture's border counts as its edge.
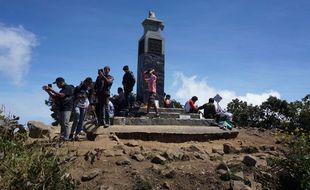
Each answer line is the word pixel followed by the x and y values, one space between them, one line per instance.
pixel 81 103
pixel 64 100
pixel 150 78
pixel 128 82
pixel 102 88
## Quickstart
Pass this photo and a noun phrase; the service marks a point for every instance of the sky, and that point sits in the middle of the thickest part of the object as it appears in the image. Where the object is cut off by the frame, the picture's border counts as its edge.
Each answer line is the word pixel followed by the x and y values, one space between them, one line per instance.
pixel 239 49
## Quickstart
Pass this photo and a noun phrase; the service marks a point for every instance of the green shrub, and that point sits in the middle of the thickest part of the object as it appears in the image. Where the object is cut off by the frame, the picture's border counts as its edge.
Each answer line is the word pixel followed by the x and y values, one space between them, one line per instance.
pixel 295 167
pixel 30 166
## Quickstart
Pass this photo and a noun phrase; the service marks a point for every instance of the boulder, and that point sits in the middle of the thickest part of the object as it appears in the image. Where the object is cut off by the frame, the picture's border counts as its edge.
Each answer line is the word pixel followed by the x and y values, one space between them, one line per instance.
pixel 229 149
pixel 138 157
pixel 249 160
pixel 238 185
pixel 123 161
pixel 249 149
pixel 38 129
pixel 159 160
pixel 267 148
pixel 91 174
pixel 218 151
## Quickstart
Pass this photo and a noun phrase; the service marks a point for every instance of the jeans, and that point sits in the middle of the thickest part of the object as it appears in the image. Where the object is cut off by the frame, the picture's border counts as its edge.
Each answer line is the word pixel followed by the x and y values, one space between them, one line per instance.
pixel 102 110
pixel 64 120
pixel 78 118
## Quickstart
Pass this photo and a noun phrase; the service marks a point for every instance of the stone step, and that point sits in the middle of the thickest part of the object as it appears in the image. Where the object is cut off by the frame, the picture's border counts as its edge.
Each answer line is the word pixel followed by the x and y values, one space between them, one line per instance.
pixel 163 110
pixel 166 115
pixel 161 121
pixel 170 133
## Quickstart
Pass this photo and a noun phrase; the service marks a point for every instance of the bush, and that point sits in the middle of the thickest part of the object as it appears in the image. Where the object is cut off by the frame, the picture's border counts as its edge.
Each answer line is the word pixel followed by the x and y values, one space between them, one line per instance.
pixel 30 166
pixel 294 169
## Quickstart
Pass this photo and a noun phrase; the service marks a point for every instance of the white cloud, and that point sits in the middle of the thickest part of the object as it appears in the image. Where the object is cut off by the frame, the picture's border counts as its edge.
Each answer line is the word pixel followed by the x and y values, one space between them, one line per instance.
pixel 16 45
pixel 191 86
pixel 27 105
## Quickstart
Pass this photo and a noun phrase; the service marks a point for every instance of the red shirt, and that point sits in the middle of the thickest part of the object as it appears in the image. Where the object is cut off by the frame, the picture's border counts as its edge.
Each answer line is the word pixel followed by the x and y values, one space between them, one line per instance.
pixel 151 83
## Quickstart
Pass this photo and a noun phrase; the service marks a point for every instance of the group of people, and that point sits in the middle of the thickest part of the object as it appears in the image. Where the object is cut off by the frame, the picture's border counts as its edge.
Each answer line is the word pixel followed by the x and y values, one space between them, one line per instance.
pixel 210 111
pixel 73 101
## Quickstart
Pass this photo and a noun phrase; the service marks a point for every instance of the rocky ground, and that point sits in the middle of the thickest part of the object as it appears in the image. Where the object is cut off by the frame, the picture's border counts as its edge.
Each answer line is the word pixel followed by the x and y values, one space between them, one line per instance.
pixel 113 163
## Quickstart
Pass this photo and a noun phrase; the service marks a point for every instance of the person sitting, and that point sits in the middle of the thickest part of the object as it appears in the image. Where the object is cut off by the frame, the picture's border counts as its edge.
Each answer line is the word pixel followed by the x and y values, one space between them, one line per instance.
pixel 167 101
pixel 223 114
pixel 209 111
pixel 190 106
pixel 118 101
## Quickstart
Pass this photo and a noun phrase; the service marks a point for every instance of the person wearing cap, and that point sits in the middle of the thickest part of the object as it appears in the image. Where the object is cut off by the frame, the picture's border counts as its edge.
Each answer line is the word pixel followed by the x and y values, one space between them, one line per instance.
pixel 150 78
pixel 64 100
pixel 128 84
pixel 81 103
pixel 102 88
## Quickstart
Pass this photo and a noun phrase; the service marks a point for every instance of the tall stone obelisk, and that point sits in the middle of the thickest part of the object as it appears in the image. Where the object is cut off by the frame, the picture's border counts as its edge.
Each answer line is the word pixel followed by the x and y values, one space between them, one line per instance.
pixel 151 54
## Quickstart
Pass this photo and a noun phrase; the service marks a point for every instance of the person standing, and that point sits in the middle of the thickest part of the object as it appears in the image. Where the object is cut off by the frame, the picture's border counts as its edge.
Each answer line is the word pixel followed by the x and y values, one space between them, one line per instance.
pixel 64 100
pixel 81 103
pixel 150 78
pixel 128 84
pixel 102 87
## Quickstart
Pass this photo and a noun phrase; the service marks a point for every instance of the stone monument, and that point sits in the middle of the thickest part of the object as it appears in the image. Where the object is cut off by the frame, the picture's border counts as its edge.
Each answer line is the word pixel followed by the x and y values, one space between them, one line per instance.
pixel 151 54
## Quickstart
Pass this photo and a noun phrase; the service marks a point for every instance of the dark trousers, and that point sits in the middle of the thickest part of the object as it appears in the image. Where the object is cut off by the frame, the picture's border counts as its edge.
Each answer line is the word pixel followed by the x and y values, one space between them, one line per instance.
pixel 128 101
pixel 102 110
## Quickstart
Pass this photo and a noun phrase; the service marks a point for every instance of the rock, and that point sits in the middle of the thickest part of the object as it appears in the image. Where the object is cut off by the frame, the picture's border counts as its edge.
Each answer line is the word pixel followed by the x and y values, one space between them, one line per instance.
pixel 185 157
pixel 155 168
pixel 169 173
pixel 172 155
pixel 109 153
pixel 166 185
pixel 104 187
pixel 138 157
pixel 159 160
pixel 229 148
pixel 132 144
pixel 267 148
pixel 200 156
pixel 237 176
pixel 235 165
pixel 238 185
pixel 222 166
pixel 218 151
pixel 193 148
pixel 114 138
pixel 224 174
pixel 123 161
pixel 215 157
pixel 91 174
pixel 249 149
pixel 1 155
pixel 118 153
pixel 38 129
pixel 249 160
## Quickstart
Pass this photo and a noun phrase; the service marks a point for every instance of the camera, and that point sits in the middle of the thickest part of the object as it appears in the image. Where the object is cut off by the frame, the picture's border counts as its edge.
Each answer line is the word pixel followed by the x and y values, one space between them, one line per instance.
pixel 46 86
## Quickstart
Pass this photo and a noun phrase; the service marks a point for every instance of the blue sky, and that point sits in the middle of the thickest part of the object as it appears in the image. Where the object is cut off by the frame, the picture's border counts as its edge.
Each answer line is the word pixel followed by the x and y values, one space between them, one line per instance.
pixel 244 49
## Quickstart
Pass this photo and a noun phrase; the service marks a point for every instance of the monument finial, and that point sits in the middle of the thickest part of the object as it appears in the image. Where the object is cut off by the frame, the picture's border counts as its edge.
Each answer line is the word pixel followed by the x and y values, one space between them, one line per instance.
pixel 152 14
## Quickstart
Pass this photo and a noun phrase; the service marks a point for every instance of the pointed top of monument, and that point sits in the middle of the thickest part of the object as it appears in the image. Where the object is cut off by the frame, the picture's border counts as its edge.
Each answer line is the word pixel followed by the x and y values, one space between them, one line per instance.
pixel 152 23
pixel 152 15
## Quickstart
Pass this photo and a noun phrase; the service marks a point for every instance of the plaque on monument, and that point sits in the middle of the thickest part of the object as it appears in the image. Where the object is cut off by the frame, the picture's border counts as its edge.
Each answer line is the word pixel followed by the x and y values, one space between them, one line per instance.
pixel 155 46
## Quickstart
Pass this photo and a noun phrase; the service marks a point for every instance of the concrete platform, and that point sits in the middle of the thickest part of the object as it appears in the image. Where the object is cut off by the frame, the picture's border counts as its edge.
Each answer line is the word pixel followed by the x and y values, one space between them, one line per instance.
pixel 171 133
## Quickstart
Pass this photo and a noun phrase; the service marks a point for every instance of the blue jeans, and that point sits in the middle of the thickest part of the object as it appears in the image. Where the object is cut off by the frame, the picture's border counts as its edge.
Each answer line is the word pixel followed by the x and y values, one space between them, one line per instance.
pixel 64 120
pixel 78 119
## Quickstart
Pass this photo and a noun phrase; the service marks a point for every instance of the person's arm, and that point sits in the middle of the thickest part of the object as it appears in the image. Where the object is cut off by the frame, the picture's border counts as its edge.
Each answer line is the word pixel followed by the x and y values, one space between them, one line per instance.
pixel 202 107
pixel 53 93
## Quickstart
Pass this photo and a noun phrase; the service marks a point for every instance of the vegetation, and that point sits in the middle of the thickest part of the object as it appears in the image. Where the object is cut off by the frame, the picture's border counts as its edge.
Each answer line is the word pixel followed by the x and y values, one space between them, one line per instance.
pixel 272 113
pixel 294 119
pixel 29 166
